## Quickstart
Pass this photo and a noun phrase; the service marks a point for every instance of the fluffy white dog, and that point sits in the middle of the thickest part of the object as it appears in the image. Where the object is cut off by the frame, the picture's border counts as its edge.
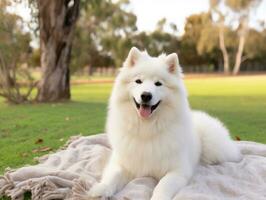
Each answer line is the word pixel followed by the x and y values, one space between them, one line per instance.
pixel 153 131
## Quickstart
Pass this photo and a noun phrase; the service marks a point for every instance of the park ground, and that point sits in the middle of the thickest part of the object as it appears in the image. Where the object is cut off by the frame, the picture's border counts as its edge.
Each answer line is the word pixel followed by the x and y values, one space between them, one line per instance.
pixel 28 131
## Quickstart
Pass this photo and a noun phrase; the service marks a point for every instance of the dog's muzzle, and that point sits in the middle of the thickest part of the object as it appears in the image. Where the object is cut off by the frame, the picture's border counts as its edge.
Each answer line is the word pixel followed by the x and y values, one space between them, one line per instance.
pixel 145 110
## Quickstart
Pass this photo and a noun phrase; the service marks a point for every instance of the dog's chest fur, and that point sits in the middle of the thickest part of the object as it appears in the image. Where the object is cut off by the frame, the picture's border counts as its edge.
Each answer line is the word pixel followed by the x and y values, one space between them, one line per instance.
pixel 149 148
pixel 153 155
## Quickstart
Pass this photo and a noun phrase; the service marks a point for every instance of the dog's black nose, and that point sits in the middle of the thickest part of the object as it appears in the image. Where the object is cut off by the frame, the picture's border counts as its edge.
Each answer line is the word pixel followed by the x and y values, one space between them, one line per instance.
pixel 146 97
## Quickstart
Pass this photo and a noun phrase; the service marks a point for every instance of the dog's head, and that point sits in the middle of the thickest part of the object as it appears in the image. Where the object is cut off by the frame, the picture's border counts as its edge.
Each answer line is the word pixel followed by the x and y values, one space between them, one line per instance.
pixel 150 83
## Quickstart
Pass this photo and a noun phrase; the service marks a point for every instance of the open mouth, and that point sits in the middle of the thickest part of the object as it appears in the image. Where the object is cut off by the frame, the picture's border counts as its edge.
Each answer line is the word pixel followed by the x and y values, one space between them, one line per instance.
pixel 146 110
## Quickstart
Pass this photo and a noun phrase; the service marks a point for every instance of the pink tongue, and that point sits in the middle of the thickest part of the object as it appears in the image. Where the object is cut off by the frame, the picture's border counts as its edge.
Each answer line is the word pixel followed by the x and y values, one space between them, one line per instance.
pixel 145 112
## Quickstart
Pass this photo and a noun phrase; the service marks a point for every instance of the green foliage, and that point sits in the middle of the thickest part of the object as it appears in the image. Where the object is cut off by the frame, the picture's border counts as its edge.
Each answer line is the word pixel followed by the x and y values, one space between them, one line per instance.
pixel 107 30
pixel 14 54
pixel 103 32
pixel 14 43
pixel 201 31
pixel 156 42
pixel 255 45
pixel 199 44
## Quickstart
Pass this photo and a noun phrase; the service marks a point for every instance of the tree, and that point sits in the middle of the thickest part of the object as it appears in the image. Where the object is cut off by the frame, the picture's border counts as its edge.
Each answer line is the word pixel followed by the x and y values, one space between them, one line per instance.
pixel 161 24
pixel 14 54
pixel 242 8
pixel 57 21
pixel 221 26
pixel 238 11
pixel 117 30
pixel 156 42
pixel 199 42
pixel 255 48
pixel 103 34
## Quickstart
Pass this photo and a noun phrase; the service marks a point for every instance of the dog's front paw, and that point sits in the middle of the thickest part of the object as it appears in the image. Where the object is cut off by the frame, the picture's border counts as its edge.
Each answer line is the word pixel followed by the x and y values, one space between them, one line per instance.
pixel 160 197
pixel 101 190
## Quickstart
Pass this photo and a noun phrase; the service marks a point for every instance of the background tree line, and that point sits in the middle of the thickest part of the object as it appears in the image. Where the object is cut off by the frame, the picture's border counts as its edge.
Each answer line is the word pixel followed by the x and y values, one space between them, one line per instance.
pixel 74 34
pixel 106 39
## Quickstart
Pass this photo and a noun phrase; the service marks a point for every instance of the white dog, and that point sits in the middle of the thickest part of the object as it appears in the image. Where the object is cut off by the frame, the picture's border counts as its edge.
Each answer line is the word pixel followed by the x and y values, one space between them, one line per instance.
pixel 153 131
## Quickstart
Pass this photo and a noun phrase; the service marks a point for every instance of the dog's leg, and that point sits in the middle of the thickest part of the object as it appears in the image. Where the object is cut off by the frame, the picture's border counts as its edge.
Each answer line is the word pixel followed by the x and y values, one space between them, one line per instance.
pixel 114 178
pixel 169 185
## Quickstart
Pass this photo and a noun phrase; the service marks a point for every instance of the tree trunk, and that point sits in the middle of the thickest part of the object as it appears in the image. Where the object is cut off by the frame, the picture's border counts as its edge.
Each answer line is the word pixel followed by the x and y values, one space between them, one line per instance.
pixel 242 38
pixel 57 19
pixel 223 49
pixel 240 50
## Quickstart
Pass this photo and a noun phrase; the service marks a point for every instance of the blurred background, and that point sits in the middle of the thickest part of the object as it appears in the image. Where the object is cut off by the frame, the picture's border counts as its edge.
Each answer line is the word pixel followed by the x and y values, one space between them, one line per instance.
pixel 58 60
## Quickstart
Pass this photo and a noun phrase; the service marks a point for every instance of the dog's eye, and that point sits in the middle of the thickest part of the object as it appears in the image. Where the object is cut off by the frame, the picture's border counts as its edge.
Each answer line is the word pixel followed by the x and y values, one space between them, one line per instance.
pixel 138 81
pixel 158 83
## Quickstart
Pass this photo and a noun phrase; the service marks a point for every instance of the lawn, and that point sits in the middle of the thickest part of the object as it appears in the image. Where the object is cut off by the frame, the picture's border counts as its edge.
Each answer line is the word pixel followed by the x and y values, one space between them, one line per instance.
pixel 239 101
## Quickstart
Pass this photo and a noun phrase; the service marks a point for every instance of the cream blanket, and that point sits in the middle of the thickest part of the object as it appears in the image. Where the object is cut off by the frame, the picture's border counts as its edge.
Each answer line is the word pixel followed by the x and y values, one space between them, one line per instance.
pixel 70 172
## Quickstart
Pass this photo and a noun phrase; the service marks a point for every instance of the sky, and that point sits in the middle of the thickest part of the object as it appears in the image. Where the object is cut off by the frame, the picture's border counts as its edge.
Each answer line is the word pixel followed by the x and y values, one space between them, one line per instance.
pixel 22 9
pixel 149 12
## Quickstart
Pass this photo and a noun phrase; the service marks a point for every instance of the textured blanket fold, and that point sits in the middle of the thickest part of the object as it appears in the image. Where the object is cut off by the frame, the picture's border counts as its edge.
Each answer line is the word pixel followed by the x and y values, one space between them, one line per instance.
pixel 70 172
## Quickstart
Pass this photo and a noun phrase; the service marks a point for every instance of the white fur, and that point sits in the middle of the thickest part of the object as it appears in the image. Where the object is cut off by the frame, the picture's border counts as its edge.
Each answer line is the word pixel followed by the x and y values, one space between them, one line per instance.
pixel 167 145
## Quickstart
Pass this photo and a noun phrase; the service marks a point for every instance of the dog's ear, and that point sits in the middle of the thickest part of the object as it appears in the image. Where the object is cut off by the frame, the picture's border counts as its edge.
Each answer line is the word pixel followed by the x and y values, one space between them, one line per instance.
pixel 133 55
pixel 173 63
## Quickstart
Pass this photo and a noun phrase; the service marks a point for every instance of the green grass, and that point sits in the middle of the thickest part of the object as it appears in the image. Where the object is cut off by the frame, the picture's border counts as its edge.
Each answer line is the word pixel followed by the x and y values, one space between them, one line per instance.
pixel 238 101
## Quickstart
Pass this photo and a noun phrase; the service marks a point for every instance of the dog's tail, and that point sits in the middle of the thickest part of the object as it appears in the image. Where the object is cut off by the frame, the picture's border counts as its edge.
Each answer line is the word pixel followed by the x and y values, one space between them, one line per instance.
pixel 216 144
